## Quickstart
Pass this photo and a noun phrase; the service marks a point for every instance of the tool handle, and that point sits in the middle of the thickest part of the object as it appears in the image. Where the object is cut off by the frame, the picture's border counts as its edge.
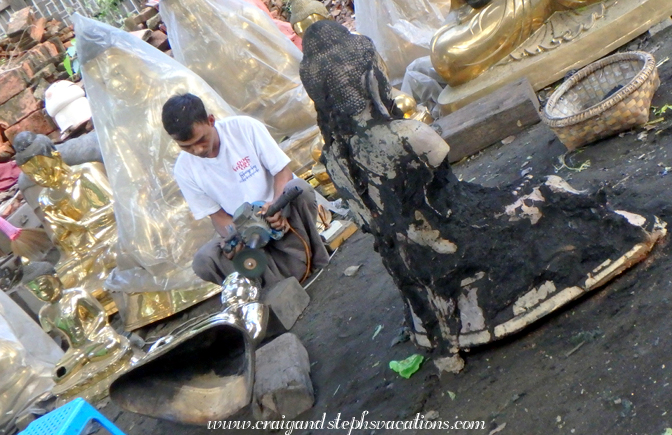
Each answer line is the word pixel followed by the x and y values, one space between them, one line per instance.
pixel 10 230
pixel 286 197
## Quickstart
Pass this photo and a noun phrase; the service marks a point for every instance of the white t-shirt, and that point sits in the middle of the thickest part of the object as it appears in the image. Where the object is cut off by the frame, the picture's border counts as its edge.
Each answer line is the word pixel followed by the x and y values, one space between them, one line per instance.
pixel 243 170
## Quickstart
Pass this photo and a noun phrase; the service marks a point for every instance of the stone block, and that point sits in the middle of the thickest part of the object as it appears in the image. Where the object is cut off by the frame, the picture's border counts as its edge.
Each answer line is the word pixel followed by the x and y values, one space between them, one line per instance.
pixel 159 40
pixel 11 84
pixel 20 22
pixel 38 122
pixel 286 301
pixel 282 386
pixel 17 108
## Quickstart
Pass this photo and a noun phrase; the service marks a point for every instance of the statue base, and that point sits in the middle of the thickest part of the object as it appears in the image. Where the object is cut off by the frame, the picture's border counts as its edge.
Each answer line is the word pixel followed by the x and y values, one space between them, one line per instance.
pixel 543 300
pixel 143 308
pixel 622 22
pixel 93 383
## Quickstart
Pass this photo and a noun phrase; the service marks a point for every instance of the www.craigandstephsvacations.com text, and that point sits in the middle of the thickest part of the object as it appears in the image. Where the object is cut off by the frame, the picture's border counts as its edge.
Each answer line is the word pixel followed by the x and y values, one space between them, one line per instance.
pixel 356 423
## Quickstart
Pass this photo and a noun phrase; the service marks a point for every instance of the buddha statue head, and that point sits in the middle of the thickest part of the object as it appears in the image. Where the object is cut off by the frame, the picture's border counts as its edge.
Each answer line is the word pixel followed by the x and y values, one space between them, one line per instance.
pixel 38 159
pixel 306 12
pixel 41 280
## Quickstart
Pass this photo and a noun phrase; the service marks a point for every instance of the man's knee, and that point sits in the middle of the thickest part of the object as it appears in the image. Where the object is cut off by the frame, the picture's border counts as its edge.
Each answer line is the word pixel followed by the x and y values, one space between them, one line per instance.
pixel 205 259
pixel 308 193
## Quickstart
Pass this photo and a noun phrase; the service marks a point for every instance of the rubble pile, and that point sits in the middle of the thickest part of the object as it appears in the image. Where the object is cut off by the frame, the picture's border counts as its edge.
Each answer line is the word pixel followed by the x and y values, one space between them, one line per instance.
pixel 33 52
pixel 342 11
pixel 149 26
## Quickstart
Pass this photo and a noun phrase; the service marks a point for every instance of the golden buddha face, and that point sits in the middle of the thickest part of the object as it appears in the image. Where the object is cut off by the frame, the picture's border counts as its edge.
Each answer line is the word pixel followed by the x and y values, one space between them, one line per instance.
pixel 46 288
pixel 47 171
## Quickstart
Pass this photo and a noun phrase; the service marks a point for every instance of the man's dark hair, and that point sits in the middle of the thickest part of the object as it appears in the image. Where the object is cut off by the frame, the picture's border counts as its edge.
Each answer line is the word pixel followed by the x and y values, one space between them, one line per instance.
pixel 180 113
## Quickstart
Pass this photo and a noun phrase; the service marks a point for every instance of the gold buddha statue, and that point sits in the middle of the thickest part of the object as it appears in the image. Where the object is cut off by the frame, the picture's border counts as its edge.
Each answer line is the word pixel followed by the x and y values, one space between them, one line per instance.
pixel 95 350
pixel 77 205
pixel 303 13
pixel 478 37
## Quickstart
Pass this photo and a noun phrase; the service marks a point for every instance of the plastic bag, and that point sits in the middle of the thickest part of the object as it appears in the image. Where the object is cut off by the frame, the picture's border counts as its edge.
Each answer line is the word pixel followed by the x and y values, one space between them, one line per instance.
pixel 127 82
pixel 27 357
pixel 240 52
pixel 402 30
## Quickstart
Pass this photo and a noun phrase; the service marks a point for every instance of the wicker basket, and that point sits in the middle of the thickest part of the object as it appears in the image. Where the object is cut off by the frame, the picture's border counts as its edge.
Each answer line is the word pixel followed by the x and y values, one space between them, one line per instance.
pixel 578 111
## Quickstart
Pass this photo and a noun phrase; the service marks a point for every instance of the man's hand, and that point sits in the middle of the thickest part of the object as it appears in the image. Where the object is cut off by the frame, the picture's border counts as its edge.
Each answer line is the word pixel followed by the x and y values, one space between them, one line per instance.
pixel 277 221
pixel 234 251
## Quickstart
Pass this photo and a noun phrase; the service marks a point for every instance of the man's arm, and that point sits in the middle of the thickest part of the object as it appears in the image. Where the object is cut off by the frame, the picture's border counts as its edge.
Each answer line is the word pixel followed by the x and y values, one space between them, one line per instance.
pixel 220 220
pixel 280 180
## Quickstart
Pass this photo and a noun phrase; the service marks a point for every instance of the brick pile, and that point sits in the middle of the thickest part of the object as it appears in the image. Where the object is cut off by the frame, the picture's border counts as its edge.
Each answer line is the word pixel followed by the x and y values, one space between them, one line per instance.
pixel 148 26
pixel 33 53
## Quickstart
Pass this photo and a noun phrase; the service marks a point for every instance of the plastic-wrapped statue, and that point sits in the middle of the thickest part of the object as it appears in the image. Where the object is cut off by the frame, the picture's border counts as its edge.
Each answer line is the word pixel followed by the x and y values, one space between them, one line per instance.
pixel 27 358
pixel 401 29
pixel 78 207
pixel 473 264
pixel 480 33
pixel 127 82
pixel 95 348
pixel 238 50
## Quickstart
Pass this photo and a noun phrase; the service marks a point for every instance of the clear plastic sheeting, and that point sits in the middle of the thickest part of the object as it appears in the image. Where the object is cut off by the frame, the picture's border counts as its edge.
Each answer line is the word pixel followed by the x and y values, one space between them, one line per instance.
pixel 27 358
pixel 127 82
pixel 402 30
pixel 299 146
pixel 423 83
pixel 240 52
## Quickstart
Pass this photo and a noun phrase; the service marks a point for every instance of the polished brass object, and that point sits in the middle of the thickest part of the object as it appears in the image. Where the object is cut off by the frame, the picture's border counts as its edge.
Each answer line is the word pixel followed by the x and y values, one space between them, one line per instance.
pixel 410 108
pixel 96 352
pixel 143 308
pixel 127 82
pixel 606 27
pixel 78 208
pixel 306 12
pixel 479 38
pixel 206 372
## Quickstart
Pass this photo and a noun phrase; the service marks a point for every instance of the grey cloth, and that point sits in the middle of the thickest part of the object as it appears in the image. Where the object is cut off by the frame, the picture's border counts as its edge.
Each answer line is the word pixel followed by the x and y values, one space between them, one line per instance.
pixel 286 257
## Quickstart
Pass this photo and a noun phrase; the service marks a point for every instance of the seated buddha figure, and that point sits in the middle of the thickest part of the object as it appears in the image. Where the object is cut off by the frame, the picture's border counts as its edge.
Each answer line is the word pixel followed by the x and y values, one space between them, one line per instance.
pixel 94 346
pixel 77 205
pixel 480 33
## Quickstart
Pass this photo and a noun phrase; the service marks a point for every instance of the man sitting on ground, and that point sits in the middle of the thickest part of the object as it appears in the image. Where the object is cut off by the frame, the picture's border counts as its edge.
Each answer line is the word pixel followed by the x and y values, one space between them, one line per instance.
pixel 227 162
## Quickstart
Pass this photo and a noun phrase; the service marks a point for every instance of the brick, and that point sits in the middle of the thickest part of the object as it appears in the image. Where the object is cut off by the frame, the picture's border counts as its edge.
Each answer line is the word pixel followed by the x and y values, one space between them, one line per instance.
pixel 51 49
pixel 37 29
pixel 153 23
pixel 11 84
pixel 6 152
pixel 17 108
pixel 20 21
pixel 60 47
pixel 27 70
pixel 146 14
pixel 282 385
pixel 48 73
pixel 38 122
pixel 159 40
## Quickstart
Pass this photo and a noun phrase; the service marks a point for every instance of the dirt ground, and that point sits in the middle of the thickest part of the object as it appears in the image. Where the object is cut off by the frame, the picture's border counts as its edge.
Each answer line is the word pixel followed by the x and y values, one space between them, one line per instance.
pixel 601 365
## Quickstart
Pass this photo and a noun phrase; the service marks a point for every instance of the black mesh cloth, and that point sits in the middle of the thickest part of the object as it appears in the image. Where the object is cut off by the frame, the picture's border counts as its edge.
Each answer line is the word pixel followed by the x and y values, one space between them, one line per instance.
pixel 340 71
